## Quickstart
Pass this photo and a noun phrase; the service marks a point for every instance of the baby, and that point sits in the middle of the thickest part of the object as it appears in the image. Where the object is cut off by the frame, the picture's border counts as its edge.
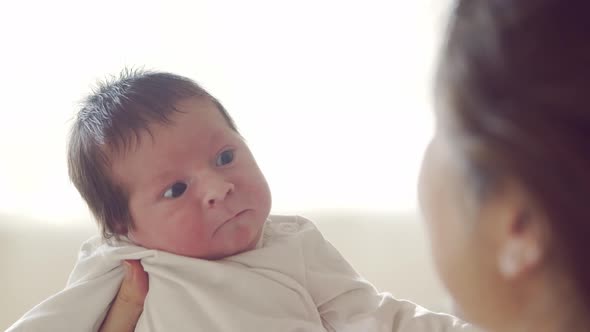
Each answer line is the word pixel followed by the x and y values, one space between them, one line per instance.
pixel 171 182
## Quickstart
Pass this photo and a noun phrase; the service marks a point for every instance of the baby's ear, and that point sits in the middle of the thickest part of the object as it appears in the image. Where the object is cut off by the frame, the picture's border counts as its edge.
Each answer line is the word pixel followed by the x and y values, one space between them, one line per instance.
pixel 121 229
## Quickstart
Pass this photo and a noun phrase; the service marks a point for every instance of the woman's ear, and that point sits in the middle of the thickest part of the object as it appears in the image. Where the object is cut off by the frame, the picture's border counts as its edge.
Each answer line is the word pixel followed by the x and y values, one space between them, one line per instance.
pixel 518 255
pixel 521 233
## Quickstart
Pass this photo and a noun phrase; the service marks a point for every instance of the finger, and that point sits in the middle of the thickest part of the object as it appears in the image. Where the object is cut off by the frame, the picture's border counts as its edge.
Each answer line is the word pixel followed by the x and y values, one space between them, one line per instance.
pixel 135 284
pixel 128 304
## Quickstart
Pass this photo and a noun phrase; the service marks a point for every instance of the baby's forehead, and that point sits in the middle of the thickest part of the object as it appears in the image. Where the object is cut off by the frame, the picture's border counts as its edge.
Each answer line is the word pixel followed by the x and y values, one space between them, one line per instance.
pixel 162 144
pixel 189 114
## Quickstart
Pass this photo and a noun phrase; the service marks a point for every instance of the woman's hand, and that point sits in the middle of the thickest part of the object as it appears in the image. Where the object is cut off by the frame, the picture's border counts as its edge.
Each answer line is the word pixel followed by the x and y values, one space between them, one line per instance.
pixel 128 304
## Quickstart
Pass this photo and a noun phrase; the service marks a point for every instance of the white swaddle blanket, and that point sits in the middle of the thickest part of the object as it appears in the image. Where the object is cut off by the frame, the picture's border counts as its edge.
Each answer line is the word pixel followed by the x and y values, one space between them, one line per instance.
pixel 293 281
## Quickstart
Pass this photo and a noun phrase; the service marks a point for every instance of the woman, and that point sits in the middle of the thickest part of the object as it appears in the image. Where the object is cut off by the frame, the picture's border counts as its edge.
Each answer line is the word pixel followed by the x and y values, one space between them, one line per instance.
pixel 511 154
pixel 506 178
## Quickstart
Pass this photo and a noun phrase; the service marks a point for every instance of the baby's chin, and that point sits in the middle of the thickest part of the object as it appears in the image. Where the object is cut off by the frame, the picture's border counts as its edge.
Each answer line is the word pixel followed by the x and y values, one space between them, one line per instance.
pixel 242 245
pixel 237 247
pixel 231 240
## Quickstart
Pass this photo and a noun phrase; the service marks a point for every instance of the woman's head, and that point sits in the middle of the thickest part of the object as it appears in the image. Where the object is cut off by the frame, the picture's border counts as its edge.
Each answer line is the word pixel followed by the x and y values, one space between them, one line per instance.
pixel 506 178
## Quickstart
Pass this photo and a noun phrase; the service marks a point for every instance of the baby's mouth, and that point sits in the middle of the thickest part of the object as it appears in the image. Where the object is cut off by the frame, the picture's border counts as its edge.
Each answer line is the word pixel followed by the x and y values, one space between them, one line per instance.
pixel 237 215
pixel 232 219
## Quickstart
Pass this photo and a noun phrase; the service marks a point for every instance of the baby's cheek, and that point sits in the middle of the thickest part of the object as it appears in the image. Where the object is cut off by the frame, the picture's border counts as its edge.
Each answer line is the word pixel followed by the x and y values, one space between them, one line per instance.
pixel 187 242
pixel 241 233
pixel 179 232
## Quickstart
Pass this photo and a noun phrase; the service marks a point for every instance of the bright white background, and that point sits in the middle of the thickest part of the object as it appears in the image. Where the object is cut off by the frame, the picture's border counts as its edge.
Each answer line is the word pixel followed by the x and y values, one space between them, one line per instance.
pixel 333 96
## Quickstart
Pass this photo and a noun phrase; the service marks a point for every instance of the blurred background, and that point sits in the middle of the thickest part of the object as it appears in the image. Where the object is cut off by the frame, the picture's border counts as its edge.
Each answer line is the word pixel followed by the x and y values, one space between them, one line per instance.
pixel 333 97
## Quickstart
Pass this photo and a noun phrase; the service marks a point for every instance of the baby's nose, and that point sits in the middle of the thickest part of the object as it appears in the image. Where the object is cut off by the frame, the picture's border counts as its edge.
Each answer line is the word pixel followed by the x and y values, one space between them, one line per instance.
pixel 217 192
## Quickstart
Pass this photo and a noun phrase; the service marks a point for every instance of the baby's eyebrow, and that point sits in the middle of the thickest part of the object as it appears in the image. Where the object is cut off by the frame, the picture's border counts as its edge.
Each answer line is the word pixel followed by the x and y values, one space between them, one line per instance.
pixel 154 183
pixel 161 178
pixel 219 136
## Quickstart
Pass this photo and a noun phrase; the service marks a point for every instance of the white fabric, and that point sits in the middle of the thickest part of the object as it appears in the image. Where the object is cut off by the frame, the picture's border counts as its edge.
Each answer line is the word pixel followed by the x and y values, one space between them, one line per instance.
pixel 294 281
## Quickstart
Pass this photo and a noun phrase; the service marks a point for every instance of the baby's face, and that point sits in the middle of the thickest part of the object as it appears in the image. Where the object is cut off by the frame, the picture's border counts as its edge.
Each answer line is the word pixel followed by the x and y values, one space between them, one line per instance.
pixel 194 187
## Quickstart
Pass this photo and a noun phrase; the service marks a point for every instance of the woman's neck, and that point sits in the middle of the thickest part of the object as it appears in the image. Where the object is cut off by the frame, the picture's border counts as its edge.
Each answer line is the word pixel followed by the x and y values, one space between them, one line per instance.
pixel 553 306
pixel 558 322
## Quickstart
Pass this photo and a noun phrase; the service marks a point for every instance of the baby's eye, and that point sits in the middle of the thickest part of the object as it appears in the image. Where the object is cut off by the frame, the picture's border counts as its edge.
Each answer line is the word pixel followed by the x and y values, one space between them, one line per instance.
pixel 225 158
pixel 176 190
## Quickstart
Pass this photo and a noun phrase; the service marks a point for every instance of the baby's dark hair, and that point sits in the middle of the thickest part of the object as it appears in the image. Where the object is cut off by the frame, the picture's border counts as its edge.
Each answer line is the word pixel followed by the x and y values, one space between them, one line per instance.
pixel 514 82
pixel 110 120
